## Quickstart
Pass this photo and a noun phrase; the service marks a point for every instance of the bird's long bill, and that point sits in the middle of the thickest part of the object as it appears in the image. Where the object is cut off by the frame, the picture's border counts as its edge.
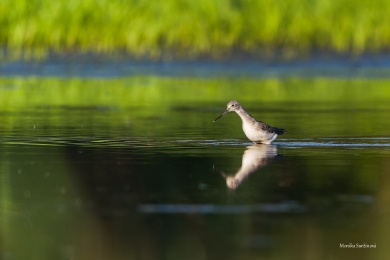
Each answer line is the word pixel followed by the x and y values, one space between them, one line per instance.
pixel 224 113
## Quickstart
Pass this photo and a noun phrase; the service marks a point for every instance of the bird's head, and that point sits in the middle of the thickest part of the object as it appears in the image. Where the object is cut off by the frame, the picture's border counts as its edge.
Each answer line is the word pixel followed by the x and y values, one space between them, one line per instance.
pixel 231 106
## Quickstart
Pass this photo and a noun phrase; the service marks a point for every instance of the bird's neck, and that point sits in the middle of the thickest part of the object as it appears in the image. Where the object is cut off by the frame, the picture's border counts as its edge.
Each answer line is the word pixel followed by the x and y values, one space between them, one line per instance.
pixel 245 116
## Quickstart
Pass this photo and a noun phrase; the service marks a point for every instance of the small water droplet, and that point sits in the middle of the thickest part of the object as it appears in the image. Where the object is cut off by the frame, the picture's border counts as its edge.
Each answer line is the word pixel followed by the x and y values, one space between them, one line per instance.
pixel 27 193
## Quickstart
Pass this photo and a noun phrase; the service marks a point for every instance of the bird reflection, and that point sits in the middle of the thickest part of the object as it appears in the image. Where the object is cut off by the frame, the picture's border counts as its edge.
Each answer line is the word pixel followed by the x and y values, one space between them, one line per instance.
pixel 254 157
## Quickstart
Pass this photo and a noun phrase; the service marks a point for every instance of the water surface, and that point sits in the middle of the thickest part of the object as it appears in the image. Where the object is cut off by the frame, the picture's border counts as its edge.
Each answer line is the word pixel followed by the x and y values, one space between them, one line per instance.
pixel 101 179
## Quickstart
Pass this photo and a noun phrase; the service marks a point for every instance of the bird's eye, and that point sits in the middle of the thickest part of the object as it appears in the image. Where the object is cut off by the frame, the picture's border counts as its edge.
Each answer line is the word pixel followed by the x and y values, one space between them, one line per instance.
pixel 233 105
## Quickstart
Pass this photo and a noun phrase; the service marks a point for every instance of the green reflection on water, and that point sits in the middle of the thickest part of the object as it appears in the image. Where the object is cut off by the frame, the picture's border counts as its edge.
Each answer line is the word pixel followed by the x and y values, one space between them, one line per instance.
pixel 152 106
pixel 16 93
pixel 78 156
pixel 38 203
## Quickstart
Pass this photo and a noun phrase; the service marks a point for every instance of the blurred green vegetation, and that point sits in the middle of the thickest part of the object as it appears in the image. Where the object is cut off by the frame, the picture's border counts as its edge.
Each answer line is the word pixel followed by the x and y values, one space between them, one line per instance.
pixel 194 28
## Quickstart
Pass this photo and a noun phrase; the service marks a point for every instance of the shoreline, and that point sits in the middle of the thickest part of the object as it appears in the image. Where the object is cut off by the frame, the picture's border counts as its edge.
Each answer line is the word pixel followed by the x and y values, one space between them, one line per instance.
pixel 116 65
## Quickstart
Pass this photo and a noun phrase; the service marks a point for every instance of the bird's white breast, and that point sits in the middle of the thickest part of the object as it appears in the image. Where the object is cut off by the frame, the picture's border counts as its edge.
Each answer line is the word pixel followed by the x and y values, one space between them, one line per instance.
pixel 251 132
pixel 255 135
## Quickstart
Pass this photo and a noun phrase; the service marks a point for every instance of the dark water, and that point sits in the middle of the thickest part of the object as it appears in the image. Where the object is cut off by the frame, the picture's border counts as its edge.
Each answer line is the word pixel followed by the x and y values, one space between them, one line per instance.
pixel 177 186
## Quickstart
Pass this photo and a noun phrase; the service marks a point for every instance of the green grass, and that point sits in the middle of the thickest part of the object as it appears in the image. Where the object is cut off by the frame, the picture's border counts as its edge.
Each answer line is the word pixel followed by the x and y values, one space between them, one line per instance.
pixel 186 28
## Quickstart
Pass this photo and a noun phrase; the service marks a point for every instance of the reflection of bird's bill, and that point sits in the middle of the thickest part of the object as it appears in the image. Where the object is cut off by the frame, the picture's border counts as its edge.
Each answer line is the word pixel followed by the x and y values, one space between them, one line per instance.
pixel 219 171
pixel 224 113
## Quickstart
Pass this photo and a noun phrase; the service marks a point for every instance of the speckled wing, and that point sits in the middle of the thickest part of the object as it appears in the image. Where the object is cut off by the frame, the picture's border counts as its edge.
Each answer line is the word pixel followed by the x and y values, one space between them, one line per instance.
pixel 271 129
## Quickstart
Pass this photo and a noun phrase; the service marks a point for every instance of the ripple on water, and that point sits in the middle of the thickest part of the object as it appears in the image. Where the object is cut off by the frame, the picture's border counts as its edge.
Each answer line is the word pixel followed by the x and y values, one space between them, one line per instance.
pixel 351 142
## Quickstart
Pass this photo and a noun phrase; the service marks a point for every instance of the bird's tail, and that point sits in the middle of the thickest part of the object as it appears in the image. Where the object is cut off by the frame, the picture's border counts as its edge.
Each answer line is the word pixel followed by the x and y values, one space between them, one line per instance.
pixel 279 131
